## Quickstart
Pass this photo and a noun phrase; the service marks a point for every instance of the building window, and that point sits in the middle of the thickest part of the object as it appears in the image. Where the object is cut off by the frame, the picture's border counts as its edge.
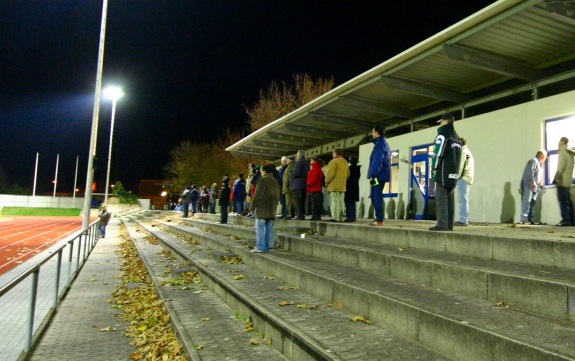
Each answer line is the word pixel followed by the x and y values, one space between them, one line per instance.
pixel 391 189
pixel 555 129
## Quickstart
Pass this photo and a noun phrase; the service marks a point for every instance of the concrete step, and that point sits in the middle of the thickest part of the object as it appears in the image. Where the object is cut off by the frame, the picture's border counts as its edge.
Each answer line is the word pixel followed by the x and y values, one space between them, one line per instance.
pixel 305 329
pixel 200 318
pixel 457 326
pixel 546 290
pixel 536 245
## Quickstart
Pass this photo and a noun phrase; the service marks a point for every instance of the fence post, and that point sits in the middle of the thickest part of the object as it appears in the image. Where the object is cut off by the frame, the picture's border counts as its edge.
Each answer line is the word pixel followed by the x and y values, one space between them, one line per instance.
pixel 57 283
pixel 32 310
pixel 78 254
pixel 70 256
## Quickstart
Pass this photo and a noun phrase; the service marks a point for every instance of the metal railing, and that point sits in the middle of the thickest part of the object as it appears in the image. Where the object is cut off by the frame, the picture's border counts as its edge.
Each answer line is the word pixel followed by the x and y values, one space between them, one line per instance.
pixel 79 244
pixel 128 211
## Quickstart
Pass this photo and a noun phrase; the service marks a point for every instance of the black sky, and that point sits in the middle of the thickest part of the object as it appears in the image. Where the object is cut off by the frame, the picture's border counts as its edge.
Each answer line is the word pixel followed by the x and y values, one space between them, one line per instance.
pixel 186 68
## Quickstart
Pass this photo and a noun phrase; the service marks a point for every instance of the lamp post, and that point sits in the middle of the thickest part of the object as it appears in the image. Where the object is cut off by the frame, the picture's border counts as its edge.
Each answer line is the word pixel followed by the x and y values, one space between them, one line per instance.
pixel 111 93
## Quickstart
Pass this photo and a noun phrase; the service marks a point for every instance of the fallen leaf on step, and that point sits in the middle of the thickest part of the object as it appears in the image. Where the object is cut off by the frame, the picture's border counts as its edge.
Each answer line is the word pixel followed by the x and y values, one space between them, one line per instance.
pixel 361 319
pixel 254 341
pixel 285 303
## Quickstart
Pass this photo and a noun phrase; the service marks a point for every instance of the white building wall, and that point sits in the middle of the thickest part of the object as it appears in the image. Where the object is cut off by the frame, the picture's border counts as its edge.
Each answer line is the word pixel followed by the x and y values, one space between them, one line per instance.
pixel 501 142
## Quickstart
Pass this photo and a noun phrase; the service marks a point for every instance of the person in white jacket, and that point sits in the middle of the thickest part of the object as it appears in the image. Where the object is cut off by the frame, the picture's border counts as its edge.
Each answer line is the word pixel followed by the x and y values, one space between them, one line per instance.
pixel 564 180
pixel 466 170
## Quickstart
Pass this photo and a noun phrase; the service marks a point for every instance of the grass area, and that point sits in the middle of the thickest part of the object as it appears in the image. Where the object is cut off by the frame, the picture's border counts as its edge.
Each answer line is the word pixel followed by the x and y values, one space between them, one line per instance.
pixel 24 211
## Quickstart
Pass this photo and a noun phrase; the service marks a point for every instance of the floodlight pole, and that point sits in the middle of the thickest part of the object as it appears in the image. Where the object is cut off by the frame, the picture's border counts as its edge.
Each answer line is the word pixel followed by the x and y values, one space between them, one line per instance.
pixel 110 149
pixel 94 132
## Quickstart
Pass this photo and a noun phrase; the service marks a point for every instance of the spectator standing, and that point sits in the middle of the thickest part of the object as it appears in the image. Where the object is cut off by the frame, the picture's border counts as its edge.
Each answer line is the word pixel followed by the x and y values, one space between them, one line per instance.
pixel 264 204
pixel 224 200
pixel 335 182
pixel 352 190
pixel 530 183
pixel 213 198
pixel 286 191
pixel 564 180
pixel 104 216
pixel 251 173
pixel 186 199
pixel 466 172
pixel 315 181
pixel 240 193
pixel 195 198
pixel 445 164
pixel 298 184
pixel 379 172
pixel 281 174
pixel 204 199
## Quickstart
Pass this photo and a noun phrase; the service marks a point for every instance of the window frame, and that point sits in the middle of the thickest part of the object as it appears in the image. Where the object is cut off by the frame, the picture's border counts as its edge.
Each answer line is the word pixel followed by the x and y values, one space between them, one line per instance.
pixel 396 164
pixel 549 177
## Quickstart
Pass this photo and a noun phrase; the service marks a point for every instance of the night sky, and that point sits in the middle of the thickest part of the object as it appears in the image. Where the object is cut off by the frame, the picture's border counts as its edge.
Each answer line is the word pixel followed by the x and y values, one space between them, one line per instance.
pixel 186 67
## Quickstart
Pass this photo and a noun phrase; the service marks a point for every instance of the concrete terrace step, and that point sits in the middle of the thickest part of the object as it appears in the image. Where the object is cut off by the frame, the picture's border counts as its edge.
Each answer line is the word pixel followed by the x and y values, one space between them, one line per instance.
pixel 536 245
pixel 546 290
pixel 455 325
pixel 300 333
pixel 223 336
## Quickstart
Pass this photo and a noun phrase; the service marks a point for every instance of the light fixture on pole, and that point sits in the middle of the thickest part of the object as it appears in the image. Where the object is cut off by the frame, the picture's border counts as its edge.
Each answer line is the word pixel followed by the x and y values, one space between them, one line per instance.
pixel 111 93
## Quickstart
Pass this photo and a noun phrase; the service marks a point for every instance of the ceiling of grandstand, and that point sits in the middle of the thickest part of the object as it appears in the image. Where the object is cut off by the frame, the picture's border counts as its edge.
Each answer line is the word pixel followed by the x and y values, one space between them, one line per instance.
pixel 507 45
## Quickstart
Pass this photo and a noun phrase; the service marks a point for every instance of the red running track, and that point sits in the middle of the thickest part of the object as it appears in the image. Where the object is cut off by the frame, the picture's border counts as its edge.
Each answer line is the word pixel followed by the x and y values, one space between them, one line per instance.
pixel 21 238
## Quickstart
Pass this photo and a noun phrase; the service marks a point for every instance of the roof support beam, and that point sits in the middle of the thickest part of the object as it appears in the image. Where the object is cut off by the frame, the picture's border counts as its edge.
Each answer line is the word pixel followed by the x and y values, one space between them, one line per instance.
pixel 377 108
pixel 344 121
pixel 238 154
pixel 562 11
pixel 275 145
pixel 425 90
pixel 493 63
pixel 326 132
pixel 294 139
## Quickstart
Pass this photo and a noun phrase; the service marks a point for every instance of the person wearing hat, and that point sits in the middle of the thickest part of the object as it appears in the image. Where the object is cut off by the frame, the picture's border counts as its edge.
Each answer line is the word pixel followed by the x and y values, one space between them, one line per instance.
pixel 186 199
pixel 104 219
pixel 445 165
pixel 286 191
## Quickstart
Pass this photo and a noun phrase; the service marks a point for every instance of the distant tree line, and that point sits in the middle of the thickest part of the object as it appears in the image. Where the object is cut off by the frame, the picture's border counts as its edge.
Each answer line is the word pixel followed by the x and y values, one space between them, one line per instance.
pixel 205 163
pixel 6 187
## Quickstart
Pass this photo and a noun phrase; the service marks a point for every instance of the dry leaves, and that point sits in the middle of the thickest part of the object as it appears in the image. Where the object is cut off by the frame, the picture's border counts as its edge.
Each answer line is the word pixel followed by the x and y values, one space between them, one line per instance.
pixel 240 277
pixel 361 319
pixel 285 303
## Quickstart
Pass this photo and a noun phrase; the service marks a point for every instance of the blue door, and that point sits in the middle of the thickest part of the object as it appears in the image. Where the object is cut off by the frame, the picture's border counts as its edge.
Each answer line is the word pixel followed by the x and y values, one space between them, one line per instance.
pixel 422 195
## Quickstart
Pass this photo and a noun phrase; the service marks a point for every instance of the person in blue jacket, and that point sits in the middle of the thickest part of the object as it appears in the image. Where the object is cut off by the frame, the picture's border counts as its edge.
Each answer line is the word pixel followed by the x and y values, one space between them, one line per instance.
pixel 379 171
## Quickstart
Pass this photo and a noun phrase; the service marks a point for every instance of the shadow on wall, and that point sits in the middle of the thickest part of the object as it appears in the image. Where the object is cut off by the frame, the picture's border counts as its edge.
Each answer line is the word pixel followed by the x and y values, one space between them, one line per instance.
pixel 390 208
pixel 361 208
pixel 508 206
pixel 401 211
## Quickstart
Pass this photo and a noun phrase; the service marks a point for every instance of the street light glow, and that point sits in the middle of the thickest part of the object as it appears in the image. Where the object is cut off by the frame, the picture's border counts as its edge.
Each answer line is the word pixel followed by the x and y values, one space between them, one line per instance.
pixel 112 92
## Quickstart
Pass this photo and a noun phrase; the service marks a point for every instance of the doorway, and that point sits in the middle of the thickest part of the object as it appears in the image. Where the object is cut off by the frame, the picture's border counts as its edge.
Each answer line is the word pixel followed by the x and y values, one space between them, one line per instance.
pixel 422 195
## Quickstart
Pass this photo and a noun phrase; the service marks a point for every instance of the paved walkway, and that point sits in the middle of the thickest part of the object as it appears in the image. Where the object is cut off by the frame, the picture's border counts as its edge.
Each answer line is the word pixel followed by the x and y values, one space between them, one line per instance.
pixel 75 332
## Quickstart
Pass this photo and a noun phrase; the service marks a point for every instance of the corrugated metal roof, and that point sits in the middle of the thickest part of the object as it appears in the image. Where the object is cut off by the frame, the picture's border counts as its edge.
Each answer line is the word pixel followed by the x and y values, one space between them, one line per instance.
pixel 509 39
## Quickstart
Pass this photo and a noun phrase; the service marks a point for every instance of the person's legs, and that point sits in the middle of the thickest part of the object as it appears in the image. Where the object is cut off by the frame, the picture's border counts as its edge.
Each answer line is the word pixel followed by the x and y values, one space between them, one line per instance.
pixel 186 209
pixel 274 241
pixel 239 207
pixel 260 234
pixel 268 238
pixel 284 205
pixel 102 230
pixel 463 199
pixel 450 207
pixel 289 205
pixel 316 203
pixel 337 205
pixel 194 206
pixel 532 203
pixel 377 201
pixel 441 207
pixel 298 202
pixel 224 214
pixel 350 211
pixel 564 199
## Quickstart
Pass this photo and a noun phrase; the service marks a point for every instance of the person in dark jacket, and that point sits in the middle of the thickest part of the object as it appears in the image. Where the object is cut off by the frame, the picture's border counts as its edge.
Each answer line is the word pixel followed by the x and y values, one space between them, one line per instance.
pixel 352 190
pixel 315 179
pixel 104 216
pixel 264 204
pixel 224 200
pixel 195 198
pixel 240 193
pixel 186 199
pixel 298 184
pixel 379 172
pixel 445 165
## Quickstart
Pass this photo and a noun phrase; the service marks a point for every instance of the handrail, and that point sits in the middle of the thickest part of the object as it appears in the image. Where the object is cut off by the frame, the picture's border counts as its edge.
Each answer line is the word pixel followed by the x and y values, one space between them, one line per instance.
pixel 87 240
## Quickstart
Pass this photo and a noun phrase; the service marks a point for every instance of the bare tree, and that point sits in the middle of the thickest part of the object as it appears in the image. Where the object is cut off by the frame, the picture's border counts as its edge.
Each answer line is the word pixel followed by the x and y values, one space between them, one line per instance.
pixel 280 100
